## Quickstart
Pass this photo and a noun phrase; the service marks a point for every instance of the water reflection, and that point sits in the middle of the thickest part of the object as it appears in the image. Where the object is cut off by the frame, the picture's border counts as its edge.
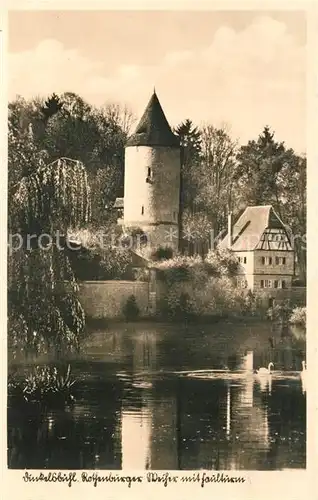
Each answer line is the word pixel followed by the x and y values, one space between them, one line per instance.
pixel 134 411
pixel 136 439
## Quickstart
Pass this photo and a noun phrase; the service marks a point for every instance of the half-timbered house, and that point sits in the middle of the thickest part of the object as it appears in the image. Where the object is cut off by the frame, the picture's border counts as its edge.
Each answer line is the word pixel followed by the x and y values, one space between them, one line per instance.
pixel 264 248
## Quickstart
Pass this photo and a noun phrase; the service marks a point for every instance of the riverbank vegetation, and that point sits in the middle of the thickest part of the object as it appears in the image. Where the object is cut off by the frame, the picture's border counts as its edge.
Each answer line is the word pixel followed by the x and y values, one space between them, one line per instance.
pixel 285 314
pixel 298 317
pixel 44 387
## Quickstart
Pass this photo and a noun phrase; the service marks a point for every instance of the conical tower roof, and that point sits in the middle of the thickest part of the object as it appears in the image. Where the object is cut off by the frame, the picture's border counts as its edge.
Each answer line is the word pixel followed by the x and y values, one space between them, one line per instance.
pixel 153 128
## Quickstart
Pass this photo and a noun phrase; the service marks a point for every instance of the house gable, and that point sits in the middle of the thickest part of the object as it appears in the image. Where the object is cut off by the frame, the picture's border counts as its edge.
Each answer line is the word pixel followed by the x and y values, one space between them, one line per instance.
pixel 259 227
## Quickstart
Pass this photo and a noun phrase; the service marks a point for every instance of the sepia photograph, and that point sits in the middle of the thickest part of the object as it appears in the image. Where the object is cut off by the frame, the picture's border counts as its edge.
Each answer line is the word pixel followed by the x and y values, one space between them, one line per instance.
pixel 156 275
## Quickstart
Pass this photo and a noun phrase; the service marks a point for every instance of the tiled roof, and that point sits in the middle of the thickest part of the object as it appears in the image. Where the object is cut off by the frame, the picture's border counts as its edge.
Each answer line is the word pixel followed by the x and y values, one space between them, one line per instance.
pixel 139 260
pixel 248 230
pixel 153 128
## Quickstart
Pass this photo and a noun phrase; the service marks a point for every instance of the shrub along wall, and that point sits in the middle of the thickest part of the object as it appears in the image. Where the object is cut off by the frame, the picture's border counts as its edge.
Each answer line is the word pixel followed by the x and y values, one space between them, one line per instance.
pixel 193 287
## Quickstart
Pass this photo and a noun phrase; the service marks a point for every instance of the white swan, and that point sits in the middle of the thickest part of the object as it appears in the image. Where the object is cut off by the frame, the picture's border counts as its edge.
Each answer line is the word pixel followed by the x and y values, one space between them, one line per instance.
pixel 265 378
pixel 265 371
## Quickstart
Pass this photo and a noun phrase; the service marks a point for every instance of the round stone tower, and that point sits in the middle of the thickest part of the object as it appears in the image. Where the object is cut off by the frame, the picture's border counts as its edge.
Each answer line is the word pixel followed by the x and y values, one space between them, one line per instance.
pixel 152 179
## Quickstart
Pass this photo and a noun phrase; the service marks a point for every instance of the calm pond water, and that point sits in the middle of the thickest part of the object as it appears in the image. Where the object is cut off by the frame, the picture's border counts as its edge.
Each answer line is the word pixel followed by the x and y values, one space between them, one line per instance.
pixel 134 409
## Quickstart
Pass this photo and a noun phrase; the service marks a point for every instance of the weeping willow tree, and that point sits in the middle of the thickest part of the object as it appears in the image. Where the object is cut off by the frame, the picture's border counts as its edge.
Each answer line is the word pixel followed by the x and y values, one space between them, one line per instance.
pixel 44 311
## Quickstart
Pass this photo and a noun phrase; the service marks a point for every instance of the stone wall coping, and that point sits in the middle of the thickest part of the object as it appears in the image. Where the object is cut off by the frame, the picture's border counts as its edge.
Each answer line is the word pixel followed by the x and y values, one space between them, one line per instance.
pixel 112 282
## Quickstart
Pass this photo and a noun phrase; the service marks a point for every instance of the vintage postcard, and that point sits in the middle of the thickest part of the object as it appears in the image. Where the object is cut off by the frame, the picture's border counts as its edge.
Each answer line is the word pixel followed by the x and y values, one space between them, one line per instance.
pixel 159 167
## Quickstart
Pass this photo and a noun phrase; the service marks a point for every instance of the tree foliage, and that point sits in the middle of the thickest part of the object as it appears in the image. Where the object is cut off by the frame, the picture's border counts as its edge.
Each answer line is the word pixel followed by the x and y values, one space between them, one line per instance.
pixel 269 173
pixel 44 310
pixel 216 175
pixel 67 126
pixel 190 142
pixel 259 164
pixel 207 181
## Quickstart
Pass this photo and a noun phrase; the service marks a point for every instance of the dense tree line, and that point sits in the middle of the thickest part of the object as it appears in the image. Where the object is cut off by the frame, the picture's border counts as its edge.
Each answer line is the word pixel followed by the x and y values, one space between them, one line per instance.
pixel 218 175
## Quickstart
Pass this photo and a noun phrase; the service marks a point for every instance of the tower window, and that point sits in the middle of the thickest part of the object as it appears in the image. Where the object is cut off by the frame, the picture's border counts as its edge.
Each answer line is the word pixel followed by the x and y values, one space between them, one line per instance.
pixel 149 174
pixel 142 210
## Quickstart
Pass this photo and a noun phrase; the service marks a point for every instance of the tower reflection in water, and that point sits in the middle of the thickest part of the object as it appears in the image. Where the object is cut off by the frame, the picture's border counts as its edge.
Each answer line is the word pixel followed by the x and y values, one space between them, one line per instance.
pixel 136 439
pixel 136 411
pixel 149 413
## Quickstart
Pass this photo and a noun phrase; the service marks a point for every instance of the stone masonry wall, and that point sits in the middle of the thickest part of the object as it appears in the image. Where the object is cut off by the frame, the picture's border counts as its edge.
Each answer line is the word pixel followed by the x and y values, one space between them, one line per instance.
pixel 105 299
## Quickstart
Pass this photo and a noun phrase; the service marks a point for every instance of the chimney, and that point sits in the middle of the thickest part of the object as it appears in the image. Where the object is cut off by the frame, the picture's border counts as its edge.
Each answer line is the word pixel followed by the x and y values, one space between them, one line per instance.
pixel 229 229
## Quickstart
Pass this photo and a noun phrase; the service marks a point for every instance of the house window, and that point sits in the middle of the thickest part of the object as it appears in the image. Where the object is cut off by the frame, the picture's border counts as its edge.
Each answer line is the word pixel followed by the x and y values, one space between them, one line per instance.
pixel 284 284
pixel 276 284
pixel 267 261
pixel 142 210
pixel 280 261
pixel 266 283
pixel 174 215
pixel 244 260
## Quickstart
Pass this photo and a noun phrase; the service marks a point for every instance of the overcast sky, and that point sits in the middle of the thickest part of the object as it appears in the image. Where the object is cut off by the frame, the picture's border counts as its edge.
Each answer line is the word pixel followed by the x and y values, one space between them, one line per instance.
pixel 246 69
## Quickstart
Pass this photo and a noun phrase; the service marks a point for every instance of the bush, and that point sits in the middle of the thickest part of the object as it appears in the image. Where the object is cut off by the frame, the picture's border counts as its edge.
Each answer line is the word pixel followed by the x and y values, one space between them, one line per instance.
pixel 217 263
pixel 162 253
pixel 216 297
pixel 131 310
pixel 223 261
pixel 180 268
pixel 298 316
pixel 279 312
pixel 102 264
pixel 197 286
